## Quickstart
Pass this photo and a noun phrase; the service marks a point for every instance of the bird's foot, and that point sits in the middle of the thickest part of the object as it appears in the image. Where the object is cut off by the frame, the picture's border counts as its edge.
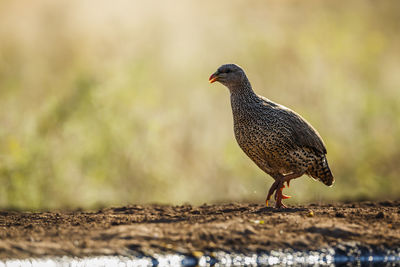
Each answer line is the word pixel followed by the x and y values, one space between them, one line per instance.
pixel 280 205
pixel 279 196
pixel 277 187
pixel 280 192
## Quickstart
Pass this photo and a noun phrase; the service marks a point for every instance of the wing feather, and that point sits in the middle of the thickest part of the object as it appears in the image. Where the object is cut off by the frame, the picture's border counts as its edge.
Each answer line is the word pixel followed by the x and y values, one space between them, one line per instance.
pixel 296 128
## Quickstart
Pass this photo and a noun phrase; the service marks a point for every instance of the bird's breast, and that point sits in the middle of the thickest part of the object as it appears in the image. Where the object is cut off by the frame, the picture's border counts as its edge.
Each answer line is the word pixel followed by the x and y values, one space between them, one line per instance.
pixel 250 135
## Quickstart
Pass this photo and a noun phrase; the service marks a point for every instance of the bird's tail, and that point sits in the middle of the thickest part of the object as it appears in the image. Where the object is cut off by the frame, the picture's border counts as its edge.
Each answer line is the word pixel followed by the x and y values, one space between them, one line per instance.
pixel 322 172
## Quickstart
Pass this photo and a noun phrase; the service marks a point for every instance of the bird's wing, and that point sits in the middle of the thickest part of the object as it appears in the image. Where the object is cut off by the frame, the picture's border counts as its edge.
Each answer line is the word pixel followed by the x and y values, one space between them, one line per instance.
pixel 296 128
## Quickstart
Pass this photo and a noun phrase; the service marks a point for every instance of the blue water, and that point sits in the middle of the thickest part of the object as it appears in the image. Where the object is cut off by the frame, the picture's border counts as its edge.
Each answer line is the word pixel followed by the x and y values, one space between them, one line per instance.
pixel 325 257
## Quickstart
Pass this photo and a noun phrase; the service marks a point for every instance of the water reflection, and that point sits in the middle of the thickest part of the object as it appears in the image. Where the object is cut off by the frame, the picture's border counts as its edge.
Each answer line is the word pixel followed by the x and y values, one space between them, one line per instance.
pixel 326 257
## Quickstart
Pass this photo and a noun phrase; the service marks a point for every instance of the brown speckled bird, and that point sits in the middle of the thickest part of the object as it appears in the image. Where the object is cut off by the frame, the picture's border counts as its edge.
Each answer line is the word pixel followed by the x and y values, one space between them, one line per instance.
pixel 277 139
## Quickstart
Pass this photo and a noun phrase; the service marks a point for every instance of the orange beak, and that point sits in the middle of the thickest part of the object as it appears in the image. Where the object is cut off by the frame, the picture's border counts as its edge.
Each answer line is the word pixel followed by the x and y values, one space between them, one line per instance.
pixel 213 78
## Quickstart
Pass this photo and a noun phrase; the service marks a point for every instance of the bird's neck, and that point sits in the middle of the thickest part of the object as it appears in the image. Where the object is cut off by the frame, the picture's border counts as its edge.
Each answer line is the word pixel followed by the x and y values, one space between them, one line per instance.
pixel 243 92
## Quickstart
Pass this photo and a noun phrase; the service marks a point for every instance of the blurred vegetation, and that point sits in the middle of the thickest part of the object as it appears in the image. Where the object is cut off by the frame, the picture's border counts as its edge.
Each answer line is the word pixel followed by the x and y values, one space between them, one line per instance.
pixel 108 103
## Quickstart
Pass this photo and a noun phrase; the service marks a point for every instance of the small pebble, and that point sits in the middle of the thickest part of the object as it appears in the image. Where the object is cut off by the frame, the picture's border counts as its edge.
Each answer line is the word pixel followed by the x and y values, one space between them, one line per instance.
pixel 197 254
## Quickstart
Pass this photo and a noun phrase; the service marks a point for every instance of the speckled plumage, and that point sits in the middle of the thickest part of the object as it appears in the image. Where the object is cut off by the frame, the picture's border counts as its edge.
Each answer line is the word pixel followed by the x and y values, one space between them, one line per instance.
pixel 278 140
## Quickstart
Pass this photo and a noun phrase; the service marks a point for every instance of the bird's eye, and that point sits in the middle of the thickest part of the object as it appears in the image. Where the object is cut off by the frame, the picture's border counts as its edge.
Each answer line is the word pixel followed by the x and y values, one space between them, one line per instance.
pixel 227 71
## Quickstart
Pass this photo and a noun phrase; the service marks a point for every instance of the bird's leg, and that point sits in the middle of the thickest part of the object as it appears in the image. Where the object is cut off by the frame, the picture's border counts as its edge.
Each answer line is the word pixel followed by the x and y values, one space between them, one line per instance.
pixel 272 189
pixel 275 187
pixel 279 195
pixel 278 186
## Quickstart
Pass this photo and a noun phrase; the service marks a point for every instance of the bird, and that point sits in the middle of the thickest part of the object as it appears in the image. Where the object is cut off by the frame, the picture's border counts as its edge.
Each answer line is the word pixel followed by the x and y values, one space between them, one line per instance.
pixel 277 139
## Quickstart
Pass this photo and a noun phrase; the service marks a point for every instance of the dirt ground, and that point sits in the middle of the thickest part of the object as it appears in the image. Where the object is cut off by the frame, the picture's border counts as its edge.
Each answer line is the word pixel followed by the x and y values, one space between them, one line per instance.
pixel 239 227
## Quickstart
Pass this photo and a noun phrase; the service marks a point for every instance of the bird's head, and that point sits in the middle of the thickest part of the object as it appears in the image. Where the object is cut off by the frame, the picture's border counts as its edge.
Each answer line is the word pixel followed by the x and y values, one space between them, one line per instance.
pixel 230 75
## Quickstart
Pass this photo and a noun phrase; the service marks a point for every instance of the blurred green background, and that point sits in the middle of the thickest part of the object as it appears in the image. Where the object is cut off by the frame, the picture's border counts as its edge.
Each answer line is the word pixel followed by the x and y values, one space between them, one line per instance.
pixel 108 102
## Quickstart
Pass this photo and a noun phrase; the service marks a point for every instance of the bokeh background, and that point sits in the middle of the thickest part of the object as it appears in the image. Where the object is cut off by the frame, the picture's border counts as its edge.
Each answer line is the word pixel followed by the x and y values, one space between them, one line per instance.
pixel 108 102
